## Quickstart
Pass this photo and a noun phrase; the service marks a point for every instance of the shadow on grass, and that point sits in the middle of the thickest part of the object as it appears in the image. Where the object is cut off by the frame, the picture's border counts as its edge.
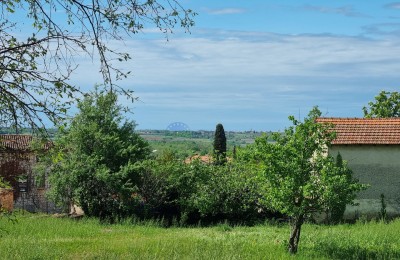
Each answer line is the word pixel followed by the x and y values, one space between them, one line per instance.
pixel 348 251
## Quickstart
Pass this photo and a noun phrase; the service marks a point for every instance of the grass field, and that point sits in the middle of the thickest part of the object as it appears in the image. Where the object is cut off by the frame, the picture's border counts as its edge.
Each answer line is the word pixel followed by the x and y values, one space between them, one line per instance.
pixel 45 237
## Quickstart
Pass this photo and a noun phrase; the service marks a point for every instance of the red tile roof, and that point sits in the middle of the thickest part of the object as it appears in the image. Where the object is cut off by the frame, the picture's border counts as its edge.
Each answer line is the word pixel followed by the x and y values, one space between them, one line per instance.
pixel 15 142
pixel 208 159
pixel 365 130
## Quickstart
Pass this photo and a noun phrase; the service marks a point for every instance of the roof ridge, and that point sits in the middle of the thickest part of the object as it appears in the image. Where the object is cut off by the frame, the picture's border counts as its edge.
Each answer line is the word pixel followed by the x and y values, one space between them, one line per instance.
pixel 360 118
pixel 365 130
pixel 16 135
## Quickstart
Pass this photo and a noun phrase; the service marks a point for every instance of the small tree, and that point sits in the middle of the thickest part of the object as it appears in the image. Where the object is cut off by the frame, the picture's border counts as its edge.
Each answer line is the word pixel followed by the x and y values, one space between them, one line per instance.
pixel 336 209
pixel 387 104
pixel 302 178
pixel 220 144
pixel 93 161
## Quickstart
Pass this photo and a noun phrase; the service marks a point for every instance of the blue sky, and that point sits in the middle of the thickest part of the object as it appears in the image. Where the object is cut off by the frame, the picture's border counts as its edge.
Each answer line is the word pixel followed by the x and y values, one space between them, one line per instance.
pixel 251 64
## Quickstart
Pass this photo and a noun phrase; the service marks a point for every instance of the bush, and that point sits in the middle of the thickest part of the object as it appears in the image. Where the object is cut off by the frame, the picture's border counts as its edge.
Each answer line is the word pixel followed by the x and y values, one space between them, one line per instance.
pixel 167 188
pixel 232 192
pixel 92 162
pixel 197 192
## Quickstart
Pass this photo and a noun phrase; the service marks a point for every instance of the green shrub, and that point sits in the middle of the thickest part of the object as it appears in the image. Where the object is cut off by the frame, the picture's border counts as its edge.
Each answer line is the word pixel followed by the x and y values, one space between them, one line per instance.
pixel 92 162
pixel 4 184
pixel 167 188
pixel 197 192
pixel 231 192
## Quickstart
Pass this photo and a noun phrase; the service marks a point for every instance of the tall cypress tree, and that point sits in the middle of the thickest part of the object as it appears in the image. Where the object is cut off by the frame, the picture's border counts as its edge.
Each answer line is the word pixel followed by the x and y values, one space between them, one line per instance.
pixel 220 144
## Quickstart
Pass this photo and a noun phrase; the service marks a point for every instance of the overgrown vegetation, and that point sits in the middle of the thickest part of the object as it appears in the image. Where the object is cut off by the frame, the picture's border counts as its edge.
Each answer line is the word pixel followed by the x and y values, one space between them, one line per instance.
pixel 301 178
pixel 102 165
pixel 92 161
pixel 46 237
pixel 200 193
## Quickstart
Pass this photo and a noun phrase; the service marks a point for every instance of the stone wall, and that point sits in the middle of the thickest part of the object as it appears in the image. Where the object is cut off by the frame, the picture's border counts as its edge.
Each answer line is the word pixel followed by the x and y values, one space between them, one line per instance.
pixel 378 166
pixel 36 201
pixel 28 194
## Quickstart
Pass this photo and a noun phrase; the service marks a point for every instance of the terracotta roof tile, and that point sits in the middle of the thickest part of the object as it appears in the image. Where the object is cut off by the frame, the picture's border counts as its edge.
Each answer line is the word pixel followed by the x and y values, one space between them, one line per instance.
pixel 203 158
pixel 365 130
pixel 15 142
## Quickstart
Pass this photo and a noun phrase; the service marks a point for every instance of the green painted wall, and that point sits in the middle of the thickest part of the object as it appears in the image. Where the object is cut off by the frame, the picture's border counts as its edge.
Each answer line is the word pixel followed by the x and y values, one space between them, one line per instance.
pixel 378 166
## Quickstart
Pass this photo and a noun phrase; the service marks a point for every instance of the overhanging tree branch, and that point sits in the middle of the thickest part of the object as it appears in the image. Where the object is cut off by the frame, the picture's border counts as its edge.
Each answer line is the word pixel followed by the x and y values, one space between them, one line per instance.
pixel 35 72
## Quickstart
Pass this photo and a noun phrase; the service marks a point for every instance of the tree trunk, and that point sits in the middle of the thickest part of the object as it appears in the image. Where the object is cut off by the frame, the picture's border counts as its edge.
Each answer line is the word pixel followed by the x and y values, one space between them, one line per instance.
pixel 295 234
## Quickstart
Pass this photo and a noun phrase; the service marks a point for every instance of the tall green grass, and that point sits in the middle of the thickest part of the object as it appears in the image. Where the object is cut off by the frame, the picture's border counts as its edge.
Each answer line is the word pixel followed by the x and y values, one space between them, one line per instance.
pixel 46 237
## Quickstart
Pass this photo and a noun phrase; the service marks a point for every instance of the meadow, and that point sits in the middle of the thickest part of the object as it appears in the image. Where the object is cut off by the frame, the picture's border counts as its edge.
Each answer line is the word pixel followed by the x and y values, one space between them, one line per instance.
pixel 37 236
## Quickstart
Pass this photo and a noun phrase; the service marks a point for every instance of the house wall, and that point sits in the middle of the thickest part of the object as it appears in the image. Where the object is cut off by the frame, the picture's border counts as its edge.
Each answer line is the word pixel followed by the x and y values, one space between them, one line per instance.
pixel 378 166
pixel 32 198
pixel 14 164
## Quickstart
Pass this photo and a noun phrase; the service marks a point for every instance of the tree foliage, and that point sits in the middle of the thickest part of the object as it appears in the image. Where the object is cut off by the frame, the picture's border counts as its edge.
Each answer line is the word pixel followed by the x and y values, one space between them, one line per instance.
pixel 192 193
pixel 387 104
pixel 35 71
pixel 301 177
pixel 335 208
pixel 4 184
pixel 220 144
pixel 93 161
pixel 232 192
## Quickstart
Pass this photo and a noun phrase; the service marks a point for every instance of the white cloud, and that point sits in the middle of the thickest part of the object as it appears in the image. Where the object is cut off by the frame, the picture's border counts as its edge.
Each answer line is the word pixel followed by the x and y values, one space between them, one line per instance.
pixel 347 10
pixel 387 29
pixel 394 5
pixel 240 60
pixel 254 77
pixel 224 11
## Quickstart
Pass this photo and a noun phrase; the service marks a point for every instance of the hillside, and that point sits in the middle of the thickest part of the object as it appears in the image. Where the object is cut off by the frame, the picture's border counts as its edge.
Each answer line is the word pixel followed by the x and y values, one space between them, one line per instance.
pixel 186 143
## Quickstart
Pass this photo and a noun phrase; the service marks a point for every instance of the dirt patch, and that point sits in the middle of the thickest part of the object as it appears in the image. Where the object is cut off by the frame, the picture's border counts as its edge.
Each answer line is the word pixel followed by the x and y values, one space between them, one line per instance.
pixel 6 199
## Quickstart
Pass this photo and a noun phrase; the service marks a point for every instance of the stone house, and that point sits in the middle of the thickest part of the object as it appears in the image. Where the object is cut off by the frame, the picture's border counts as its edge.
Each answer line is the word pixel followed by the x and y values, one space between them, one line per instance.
pixel 371 146
pixel 17 160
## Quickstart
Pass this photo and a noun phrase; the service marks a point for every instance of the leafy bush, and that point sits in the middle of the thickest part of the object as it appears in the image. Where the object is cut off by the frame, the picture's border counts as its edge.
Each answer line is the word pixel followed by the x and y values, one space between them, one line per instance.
pixel 232 192
pixel 198 192
pixel 166 189
pixel 4 184
pixel 92 162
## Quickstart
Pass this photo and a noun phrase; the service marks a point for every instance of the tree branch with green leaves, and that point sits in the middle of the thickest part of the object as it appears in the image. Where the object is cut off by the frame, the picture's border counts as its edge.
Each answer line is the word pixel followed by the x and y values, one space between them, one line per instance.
pixel 387 104
pixel 35 71
pixel 301 177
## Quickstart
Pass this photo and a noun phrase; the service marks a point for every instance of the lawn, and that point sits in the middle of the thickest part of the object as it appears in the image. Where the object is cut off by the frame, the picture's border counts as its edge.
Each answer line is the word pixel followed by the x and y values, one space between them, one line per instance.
pixel 36 236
